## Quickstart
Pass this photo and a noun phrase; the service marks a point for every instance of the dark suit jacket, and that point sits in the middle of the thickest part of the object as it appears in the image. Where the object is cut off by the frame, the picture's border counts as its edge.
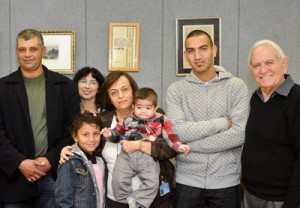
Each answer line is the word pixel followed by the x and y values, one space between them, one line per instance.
pixel 16 137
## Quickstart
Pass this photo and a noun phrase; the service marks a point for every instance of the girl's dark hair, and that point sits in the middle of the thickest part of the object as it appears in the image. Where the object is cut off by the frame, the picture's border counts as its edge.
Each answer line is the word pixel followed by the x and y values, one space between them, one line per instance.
pixel 96 74
pixel 86 117
pixel 110 79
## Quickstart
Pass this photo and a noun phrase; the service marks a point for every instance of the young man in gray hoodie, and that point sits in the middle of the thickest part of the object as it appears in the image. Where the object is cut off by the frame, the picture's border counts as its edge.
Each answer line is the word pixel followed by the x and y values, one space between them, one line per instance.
pixel 209 109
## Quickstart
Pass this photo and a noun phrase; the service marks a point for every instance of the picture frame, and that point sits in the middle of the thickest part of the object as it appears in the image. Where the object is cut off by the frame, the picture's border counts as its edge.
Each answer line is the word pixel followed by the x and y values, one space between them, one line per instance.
pixel 60 51
pixel 211 25
pixel 124 46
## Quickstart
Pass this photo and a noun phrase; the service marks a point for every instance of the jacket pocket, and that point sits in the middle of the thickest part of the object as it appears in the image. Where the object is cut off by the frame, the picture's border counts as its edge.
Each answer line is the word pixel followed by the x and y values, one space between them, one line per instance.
pixel 81 170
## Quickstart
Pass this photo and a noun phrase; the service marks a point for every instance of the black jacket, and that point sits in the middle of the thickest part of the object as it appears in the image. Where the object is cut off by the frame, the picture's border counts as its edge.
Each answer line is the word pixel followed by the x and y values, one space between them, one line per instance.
pixel 16 137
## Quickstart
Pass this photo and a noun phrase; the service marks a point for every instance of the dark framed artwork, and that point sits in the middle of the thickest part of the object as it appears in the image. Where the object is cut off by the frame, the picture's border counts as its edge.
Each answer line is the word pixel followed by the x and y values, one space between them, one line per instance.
pixel 211 25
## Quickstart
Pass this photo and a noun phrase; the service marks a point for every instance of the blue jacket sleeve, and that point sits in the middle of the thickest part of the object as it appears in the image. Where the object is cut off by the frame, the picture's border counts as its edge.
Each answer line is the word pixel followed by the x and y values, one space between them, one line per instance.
pixel 65 185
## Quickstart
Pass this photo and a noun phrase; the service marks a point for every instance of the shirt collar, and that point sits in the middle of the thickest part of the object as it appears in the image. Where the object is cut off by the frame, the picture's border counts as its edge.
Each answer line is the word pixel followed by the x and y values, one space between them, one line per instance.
pixel 89 156
pixel 283 89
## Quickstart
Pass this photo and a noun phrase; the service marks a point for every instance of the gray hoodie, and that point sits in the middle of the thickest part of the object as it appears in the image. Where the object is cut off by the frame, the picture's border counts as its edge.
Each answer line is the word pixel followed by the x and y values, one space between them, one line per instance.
pixel 200 111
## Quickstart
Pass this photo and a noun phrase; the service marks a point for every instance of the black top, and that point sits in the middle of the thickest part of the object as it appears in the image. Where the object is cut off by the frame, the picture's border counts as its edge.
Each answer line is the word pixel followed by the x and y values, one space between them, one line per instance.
pixel 271 153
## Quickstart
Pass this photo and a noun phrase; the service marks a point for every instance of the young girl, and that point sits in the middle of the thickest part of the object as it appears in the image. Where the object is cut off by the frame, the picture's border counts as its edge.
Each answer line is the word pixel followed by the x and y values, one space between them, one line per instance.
pixel 80 181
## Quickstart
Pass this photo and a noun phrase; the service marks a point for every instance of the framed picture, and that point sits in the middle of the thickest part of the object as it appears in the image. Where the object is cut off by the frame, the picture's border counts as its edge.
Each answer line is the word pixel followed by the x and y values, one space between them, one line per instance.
pixel 211 25
pixel 124 44
pixel 60 51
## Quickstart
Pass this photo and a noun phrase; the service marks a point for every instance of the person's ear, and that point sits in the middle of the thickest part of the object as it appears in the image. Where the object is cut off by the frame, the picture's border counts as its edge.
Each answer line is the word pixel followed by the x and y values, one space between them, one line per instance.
pixel 44 50
pixel 285 63
pixel 185 55
pixel 215 50
pixel 74 136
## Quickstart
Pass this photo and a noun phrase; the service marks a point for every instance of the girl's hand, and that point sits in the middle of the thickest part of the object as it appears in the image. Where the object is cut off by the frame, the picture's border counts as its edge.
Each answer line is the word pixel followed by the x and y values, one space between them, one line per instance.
pixel 65 152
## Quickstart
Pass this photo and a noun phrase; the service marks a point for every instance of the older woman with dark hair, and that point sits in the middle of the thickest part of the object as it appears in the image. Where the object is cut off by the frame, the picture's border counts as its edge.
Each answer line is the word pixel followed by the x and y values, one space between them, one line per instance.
pixel 117 97
pixel 89 80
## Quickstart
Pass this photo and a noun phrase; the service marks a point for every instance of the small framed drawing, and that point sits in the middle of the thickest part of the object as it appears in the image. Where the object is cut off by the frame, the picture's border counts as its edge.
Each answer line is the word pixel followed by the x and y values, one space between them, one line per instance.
pixel 124 44
pixel 60 51
pixel 211 25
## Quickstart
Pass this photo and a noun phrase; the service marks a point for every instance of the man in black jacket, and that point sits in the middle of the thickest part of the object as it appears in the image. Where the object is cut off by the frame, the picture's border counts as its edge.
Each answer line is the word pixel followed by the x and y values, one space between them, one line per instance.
pixel 36 107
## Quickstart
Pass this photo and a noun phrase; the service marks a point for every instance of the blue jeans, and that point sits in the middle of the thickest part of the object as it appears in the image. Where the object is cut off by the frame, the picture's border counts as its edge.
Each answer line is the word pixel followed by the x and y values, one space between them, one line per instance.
pixel 45 200
pixel 46 187
pixel 192 197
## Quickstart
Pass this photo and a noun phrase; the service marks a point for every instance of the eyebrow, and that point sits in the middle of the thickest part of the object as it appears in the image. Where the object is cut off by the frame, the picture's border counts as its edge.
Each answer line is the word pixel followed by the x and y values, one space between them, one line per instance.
pixel 92 79
pixel 118 88
pixel 197 47
pixel 252 62
pixel 144 105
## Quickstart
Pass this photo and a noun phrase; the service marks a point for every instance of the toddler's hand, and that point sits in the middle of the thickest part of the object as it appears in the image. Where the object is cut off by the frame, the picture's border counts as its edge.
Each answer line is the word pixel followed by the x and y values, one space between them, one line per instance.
pixel 184 148
pixel 106 132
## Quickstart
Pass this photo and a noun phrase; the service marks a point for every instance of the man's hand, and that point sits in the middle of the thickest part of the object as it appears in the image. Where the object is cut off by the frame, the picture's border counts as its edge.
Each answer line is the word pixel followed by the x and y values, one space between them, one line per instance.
pixel 30 171
pixel 43 164
pixel 229 123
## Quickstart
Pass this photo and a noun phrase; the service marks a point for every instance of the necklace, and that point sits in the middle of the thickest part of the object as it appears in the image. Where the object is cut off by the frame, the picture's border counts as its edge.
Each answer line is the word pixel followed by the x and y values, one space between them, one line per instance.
pixel 123 115
pixel 84 109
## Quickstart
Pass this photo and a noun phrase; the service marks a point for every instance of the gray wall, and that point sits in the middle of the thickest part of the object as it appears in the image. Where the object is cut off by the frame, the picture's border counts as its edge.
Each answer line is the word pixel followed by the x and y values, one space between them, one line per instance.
pixel 242 23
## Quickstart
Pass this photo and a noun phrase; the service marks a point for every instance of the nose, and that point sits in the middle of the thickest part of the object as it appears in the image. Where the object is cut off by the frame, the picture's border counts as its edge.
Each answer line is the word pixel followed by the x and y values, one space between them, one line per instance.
pixel 27 53
pixel 263 68
pixel 121 95
pixel 198 54
pixel 91 138
pixel 87 84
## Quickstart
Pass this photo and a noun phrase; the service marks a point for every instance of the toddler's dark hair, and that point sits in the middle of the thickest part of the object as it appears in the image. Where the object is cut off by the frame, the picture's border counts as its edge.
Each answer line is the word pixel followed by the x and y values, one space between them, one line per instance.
pixel 145 93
